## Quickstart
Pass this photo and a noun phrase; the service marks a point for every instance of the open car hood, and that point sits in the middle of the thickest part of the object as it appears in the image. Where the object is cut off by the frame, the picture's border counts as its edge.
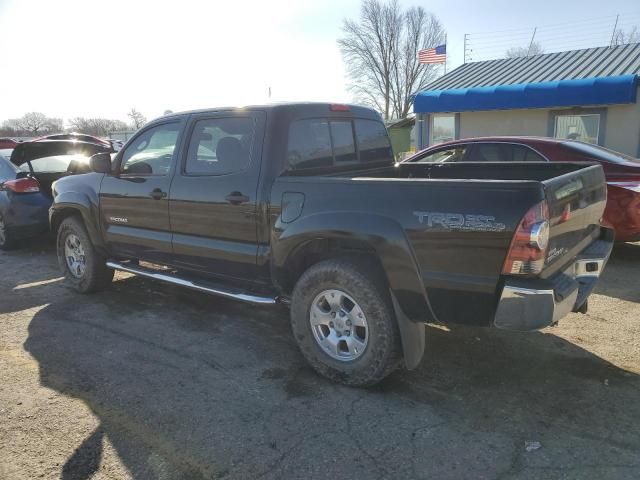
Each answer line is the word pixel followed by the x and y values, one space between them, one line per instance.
pixel 27 151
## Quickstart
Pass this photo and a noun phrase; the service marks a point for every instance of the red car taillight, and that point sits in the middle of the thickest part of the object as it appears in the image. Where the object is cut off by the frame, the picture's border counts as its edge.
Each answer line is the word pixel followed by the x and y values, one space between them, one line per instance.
pixel 529 244
pixel 22 185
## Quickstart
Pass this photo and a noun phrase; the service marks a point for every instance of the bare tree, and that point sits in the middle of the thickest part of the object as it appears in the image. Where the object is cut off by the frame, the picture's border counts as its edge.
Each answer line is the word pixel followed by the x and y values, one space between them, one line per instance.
pixel 33 124
pixel 137 118
pixel 620 37
pixel 100 127
pixel 381 54
pixel 534 49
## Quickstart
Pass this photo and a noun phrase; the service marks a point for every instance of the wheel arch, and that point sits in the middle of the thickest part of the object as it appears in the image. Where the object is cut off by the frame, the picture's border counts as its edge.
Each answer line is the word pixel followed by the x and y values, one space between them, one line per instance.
pixel 377 239
pixel 69 204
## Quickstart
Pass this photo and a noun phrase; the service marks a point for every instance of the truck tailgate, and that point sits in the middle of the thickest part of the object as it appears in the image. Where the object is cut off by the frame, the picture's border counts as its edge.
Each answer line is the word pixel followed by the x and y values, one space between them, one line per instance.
pixel 576 202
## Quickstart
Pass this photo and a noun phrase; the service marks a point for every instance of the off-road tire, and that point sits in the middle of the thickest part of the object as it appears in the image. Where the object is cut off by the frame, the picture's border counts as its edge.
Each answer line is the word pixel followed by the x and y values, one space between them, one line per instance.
pixel 368 288
pixel 96 276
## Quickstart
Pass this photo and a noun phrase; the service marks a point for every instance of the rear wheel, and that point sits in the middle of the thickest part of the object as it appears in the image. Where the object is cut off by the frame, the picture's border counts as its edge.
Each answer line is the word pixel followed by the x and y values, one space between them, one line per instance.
pixel 6 242
pixel 344 324
pixel 83 266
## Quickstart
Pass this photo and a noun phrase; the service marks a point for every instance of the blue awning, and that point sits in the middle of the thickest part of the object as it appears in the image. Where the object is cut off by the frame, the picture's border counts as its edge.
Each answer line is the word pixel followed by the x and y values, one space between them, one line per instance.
pixel 561 93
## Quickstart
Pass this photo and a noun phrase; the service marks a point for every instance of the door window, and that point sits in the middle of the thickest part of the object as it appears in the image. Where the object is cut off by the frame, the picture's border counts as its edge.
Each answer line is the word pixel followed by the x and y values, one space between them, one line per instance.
pixel 445 155
pixel 489 152
pixel 219 146
pixel 152 152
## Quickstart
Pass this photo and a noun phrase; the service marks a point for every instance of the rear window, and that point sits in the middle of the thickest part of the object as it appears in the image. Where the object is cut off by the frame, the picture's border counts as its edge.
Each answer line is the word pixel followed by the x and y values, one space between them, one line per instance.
pixel 315 143
pixel 373 141
pixel 344 147
pixel 7 169
pixel 601 153
pixel 55 164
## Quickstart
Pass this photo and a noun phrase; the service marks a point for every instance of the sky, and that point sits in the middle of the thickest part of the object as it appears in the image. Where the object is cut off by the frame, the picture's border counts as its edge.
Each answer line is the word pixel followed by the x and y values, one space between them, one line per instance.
pixel 68 58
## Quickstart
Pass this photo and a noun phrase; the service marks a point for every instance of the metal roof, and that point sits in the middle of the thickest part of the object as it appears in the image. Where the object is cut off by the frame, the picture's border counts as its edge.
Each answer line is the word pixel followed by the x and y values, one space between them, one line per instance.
pixel 571 65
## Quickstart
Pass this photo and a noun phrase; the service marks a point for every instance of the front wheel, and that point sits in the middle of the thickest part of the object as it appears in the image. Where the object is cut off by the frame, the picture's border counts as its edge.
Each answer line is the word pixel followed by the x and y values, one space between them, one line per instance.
pixel 84 268
pixel 344 324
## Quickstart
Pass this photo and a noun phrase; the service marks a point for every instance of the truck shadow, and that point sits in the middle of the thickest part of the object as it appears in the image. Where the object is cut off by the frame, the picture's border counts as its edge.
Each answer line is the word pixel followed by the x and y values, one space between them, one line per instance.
pixel 186 386
pixel 622 274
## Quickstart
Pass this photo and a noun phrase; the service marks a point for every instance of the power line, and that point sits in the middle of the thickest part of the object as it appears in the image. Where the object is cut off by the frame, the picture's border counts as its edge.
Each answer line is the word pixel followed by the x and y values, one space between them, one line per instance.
pixel 571 35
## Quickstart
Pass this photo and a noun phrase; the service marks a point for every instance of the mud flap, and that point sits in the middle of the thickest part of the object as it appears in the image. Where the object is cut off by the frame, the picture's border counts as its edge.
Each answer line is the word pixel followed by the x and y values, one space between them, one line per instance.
pixel 412 335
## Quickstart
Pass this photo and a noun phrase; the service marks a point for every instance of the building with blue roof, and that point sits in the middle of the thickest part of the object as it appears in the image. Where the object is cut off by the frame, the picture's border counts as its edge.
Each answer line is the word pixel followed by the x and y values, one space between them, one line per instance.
pixel 588 95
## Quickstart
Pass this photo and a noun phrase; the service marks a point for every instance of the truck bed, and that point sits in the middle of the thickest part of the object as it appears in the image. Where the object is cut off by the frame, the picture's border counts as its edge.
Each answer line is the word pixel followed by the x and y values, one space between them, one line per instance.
pixel 460 264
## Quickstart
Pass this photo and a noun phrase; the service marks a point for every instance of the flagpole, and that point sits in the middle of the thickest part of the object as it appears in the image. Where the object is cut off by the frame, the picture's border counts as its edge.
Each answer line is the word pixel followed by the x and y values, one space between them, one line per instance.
pixel 445 54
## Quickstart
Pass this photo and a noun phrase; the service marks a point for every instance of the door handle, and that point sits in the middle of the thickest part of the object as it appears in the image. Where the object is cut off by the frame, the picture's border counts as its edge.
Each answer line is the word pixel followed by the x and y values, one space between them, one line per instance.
pixel 236 198
pixel 157 194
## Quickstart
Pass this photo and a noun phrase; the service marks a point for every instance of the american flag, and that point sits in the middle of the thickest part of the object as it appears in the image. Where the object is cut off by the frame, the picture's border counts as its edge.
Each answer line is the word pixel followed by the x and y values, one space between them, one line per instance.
pixel 433 55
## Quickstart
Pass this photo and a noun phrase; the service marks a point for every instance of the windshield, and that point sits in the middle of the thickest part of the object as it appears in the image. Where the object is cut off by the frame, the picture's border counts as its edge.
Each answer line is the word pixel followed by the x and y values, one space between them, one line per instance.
pixel 54 164
pixel 601 153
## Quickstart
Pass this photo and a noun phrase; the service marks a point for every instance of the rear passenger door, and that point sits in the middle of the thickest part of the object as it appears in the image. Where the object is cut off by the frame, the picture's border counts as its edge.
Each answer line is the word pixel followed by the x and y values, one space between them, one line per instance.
pixel 213 197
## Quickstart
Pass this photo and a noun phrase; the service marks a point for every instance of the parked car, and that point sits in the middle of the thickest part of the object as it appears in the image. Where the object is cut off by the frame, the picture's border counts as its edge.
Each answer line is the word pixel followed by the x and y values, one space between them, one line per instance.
pixel 7 143
pixel 26 175
pixel 79 137
pixel 621 171
pixel 302 204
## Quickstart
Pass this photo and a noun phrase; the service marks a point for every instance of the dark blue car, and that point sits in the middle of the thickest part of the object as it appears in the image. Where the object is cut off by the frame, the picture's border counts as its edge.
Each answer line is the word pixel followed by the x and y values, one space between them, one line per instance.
pixel 26 175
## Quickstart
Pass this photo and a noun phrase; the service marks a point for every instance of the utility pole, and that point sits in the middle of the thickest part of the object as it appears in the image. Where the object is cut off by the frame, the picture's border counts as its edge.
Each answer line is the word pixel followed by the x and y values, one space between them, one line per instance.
pixel 613 34
pixel 531 43
pixel 466 38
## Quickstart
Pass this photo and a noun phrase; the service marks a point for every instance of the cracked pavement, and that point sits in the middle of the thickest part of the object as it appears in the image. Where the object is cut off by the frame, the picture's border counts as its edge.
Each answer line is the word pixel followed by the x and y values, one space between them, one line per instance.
pixel 147 381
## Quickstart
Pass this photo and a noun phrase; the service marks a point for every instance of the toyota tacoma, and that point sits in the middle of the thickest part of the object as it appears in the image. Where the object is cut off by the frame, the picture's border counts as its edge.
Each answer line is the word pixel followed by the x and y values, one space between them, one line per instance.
pixel 303 204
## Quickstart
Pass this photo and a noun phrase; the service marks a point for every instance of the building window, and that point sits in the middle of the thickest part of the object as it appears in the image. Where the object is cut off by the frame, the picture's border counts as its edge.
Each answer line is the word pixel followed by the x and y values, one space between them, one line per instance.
pixel 585 128
pixel 443 128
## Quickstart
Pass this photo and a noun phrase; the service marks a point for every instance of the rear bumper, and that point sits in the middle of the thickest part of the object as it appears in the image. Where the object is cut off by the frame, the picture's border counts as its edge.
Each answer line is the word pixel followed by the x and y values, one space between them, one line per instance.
pixel 28 215
pixel 530 304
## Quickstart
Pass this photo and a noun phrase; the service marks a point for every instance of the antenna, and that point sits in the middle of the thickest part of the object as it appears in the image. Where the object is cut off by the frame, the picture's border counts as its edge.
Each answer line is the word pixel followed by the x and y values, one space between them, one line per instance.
pixel 531 43
pixel 613 34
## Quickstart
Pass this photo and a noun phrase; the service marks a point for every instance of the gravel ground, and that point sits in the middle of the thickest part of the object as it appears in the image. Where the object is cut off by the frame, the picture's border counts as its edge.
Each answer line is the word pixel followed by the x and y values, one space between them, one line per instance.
pixel 150 381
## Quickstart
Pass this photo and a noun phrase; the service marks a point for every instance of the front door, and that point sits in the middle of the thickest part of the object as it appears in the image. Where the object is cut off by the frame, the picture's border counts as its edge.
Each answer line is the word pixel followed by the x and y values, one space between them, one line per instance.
pixel 213 198
pixel 134 203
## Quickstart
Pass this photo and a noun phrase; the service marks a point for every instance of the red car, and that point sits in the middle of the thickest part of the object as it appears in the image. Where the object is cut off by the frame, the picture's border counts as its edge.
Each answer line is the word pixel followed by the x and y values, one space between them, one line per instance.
pixel 6 143
pixel 622 172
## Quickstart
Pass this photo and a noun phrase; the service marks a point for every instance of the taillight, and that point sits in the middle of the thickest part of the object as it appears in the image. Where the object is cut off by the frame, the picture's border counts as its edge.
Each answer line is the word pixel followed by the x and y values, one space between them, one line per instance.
pixel 529 244
pixel 22 185
pixel 336 107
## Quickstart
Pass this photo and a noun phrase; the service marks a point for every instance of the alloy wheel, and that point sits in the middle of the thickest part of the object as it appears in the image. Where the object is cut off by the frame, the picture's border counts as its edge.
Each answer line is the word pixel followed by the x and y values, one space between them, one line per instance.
pixel 339 325
pixel 74 255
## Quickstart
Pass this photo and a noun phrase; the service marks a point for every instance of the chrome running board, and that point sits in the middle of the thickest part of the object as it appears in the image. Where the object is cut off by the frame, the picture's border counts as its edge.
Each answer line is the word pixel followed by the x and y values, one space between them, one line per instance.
pixel 202 287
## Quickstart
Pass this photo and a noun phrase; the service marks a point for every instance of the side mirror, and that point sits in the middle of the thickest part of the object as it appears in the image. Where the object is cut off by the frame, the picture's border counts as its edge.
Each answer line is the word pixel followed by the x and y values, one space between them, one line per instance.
pixel 100 163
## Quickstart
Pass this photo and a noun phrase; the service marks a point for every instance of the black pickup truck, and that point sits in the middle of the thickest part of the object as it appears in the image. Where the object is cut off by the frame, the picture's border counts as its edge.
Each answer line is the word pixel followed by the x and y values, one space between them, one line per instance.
pixel 303 204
